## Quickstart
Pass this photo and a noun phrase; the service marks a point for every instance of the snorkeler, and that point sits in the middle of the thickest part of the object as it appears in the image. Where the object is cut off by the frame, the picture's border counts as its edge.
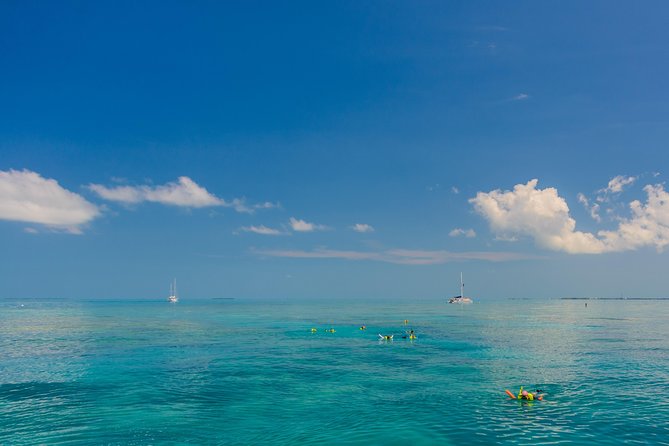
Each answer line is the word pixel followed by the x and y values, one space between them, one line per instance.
pixel 525 395
pixel 409 334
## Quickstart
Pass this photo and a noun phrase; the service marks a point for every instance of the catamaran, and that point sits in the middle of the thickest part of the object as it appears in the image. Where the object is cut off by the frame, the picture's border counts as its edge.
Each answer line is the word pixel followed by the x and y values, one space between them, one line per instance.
pixel 173 292
pixel 461 299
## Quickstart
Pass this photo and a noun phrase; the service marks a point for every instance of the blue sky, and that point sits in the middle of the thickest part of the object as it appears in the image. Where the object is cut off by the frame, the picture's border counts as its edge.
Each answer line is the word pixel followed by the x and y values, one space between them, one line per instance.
pixel 342 150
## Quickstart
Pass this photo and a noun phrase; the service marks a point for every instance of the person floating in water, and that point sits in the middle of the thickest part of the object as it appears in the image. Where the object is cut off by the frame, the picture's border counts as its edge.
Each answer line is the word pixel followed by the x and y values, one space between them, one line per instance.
pixel 363 327
pixel 525 395
pixel 386 337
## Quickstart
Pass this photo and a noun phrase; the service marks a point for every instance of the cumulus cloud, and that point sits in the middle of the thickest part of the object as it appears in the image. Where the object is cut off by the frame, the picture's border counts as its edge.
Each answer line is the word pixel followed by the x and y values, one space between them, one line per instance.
pixel 184 193
pixel 28 197
pixel 521 97
pixel 398 256
pixel 362 227
pixel 262 229
pixel 648 225
pixel 458 232
pixel 539 213
pixel 544 216
pixel 303 226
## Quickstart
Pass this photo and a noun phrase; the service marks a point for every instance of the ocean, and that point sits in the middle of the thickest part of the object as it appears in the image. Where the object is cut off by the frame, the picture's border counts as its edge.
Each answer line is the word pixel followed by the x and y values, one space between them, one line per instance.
pixel 235 372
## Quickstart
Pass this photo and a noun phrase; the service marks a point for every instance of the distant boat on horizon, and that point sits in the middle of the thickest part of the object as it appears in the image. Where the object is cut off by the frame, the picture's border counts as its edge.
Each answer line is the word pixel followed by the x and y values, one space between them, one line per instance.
pixel 173 298
pixel 461 299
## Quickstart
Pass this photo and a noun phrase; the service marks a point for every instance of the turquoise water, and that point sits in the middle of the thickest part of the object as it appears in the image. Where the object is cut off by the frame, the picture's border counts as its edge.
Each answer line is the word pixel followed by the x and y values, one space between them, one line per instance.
pixel 234 372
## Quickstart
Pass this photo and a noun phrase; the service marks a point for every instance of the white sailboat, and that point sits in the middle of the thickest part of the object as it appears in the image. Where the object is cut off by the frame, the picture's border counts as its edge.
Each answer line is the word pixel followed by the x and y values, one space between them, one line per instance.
pixel 461 299
pixel 173 298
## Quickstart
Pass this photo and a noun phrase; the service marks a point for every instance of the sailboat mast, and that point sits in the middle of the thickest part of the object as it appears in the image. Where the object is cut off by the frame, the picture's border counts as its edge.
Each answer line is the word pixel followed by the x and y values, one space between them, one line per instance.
pixel 462 286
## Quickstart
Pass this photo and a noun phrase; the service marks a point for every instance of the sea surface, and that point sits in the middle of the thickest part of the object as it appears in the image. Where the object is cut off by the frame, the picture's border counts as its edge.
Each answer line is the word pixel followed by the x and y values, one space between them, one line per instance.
pixel 242 373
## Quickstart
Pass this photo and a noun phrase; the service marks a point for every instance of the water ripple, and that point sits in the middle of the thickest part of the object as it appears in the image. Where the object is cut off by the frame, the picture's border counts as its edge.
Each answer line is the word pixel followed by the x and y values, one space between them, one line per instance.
pixel 146 373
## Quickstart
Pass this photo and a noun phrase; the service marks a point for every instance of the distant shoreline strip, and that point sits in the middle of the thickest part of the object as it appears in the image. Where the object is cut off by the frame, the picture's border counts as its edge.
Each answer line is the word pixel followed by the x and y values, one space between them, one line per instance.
pixel 614 298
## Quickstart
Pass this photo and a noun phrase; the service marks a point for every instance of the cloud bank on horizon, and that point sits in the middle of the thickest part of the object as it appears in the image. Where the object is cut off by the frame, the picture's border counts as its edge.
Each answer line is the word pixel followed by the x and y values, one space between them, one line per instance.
pixel 544 216
pixel 398 256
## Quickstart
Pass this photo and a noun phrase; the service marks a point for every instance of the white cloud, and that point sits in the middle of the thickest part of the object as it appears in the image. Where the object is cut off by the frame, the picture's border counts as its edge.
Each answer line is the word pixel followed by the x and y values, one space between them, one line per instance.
pixel 648 225
pixel 458 232
pixel 28 197
pixel 521 97
pixel 303 226
pixel 124 194
pixel 262 229
pixel 239 205
pixel 455 190
pixel 543 215
pixel 583 199
pixel 184 193
pixel 362 227
pixel 540 213
pixel 618 183
pixel 267 205
pixel 398 256
pixel 594 209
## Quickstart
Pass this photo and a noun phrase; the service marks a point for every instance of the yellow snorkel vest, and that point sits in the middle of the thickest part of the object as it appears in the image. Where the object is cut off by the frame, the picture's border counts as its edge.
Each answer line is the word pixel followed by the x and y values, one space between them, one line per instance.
pixel 529 396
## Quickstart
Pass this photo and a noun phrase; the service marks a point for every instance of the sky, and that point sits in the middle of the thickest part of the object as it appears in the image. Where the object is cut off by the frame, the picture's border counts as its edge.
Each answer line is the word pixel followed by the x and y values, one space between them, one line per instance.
pixel 334 150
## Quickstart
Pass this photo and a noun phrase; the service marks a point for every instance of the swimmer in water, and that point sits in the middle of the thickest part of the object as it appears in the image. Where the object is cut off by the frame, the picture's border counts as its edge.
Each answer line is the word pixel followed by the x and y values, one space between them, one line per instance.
pixel 525 395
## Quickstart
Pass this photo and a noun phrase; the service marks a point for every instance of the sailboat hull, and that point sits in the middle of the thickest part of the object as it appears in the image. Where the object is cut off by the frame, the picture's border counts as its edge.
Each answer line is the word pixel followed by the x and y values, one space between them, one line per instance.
pixel 461 299
pixel 173 292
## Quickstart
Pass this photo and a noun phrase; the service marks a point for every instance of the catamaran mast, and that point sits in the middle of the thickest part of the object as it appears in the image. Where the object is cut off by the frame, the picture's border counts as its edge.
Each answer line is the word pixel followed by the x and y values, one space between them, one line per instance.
pixel 462 287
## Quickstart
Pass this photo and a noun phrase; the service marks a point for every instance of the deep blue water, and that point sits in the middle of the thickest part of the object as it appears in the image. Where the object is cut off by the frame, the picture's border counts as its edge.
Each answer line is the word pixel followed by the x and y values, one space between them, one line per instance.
pixel 234 372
